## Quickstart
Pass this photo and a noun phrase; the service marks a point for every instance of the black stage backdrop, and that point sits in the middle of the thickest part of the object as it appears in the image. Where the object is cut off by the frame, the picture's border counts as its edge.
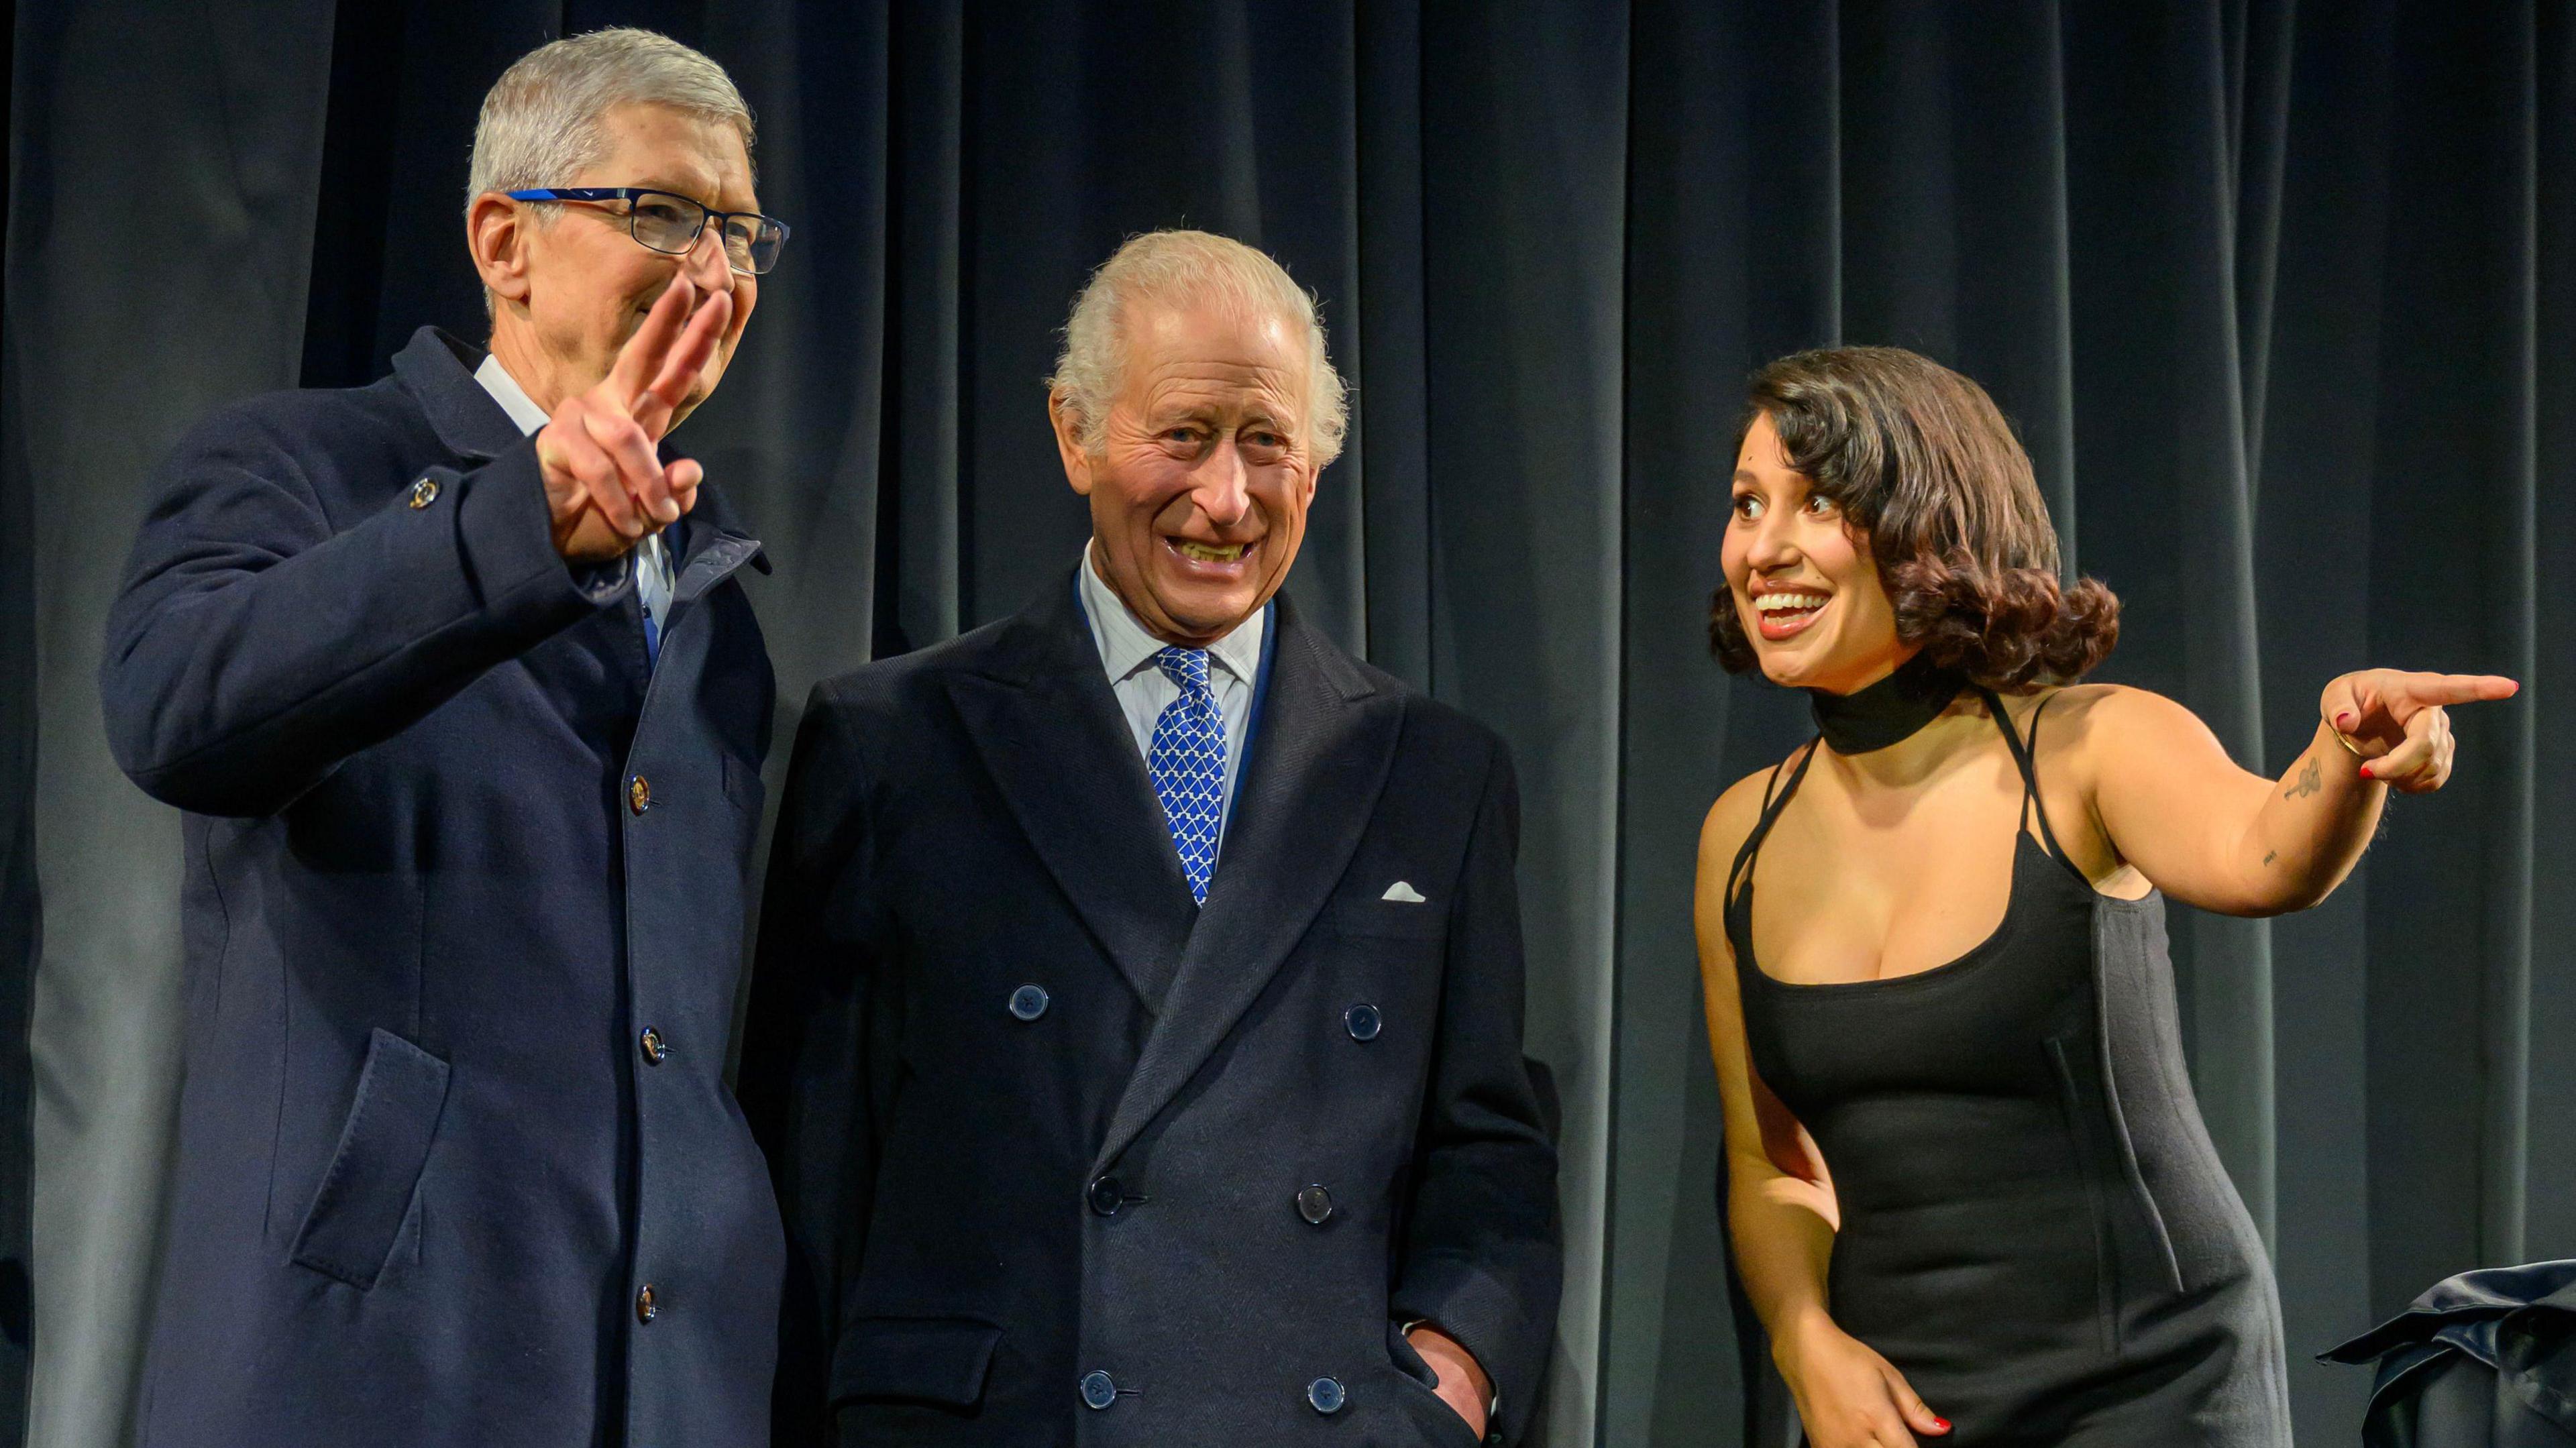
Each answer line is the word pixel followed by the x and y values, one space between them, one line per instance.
pixel 2281 299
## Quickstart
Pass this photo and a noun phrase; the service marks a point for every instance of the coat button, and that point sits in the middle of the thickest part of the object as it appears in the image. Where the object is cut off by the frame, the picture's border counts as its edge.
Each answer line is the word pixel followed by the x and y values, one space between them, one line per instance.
pixel 639 794
pixel 1362 1022
pixel 1029 1002
pixel 1106 1196
pixel 651 1043
pixel 1325 1394
pixel 1315 1204
pixel 1098 1391
pixel 424 492
pixel 646 1309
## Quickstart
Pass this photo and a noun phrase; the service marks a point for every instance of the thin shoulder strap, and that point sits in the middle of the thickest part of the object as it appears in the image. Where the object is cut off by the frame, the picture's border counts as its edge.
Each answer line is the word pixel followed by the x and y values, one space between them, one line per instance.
pixel 1775 798
pixel 2025 758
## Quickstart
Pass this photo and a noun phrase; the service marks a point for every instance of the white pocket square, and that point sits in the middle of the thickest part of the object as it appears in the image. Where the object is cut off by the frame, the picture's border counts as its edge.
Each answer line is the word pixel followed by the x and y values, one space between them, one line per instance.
pixel 1402 894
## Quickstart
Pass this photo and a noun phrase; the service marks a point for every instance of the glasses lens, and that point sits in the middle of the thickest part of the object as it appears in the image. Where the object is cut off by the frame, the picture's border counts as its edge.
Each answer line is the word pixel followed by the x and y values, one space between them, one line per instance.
pixel 739 232
pixel 666 223
pixel 767 239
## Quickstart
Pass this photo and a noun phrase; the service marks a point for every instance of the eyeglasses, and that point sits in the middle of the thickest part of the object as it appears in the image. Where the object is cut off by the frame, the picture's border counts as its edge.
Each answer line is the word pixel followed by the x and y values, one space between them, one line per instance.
pixel 668 222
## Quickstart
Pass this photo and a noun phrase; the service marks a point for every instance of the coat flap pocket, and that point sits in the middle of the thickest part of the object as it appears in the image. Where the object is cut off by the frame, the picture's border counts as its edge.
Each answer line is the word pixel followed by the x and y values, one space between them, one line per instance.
pixel 938 1360
pixel 367 1191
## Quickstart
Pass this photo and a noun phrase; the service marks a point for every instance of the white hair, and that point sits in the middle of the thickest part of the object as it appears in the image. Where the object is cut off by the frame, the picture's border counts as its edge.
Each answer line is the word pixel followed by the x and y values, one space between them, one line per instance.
pixel 542 120
pixel 1187 266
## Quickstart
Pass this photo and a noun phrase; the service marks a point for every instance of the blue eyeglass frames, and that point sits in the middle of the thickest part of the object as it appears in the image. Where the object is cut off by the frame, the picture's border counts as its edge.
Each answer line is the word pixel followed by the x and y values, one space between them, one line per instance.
pixel 670 223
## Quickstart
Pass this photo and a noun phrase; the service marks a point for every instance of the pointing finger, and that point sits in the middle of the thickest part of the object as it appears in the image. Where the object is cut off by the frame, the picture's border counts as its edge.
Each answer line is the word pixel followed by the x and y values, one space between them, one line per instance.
pixel 2466 688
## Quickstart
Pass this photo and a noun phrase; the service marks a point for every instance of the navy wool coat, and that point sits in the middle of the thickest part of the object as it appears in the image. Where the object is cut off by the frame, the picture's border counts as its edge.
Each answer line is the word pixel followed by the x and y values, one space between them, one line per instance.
pixel 464 904
pixel 1067 1159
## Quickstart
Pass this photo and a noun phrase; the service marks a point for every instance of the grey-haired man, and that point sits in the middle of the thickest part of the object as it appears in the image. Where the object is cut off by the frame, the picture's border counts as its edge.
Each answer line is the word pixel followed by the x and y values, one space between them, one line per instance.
pixel 1137 1030
pixel 466 709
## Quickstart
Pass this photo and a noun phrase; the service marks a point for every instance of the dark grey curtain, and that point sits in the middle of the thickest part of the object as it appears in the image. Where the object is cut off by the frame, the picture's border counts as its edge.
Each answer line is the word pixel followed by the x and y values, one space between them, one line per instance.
pixel 2281 300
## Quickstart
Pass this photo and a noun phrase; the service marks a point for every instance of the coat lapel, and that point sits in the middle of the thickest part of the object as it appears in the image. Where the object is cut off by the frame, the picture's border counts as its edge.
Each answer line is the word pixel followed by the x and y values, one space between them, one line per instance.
pixel 1050 732
pixel 1327 737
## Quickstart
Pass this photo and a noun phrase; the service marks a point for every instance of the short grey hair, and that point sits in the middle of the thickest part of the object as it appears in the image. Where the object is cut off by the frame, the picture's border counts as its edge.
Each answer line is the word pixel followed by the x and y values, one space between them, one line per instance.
pixel 541 121
pixel 1188 266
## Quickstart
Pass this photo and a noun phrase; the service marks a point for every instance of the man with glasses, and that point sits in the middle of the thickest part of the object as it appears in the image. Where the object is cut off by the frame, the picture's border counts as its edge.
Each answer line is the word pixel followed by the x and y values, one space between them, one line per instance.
pixel 466 706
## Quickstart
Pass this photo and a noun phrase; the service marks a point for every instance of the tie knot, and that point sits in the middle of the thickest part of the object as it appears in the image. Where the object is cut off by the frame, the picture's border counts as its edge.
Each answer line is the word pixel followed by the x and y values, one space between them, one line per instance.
pixel 1187 668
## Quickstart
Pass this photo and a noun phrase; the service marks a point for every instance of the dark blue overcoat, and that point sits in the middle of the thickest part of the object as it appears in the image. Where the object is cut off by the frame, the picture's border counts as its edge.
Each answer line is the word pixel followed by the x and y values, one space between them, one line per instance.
pixel 1070 1162
pixel 465 885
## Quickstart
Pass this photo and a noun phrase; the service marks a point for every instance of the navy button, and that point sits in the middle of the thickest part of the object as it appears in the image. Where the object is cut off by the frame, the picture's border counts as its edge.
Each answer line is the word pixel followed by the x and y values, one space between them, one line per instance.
pixel 1362 1022
pixel 1325 1394
pixel 1098 1391
pixel 1106 1197
pixel 1029 1002
pixel 1315 1204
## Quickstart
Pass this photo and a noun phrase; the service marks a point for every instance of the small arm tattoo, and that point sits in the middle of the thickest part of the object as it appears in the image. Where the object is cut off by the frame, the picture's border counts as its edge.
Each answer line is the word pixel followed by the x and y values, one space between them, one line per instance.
pixel 2270 855
pixel 2307 783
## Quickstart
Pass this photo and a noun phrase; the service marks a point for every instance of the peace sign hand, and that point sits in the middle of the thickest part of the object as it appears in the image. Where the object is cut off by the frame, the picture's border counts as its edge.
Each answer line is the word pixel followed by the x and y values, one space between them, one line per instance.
pixel 606 486
pixel 2400 723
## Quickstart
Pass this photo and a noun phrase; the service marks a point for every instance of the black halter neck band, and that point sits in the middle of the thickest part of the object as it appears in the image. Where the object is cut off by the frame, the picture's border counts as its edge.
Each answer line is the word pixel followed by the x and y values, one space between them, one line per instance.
pixel 1888 711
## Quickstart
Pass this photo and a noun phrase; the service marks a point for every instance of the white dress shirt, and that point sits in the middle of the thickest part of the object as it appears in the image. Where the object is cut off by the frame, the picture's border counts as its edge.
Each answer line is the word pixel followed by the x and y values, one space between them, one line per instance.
pixel 653 578
pixel 1127 651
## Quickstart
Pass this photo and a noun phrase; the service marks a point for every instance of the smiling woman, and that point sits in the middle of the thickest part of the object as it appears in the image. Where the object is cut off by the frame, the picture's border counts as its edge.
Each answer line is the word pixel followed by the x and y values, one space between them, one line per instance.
pixel 1968 1186
pixel 1916 457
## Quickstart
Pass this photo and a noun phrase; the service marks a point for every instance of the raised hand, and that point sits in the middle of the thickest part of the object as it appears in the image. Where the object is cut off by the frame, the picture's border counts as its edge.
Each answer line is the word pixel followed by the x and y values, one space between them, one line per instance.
pixel 605 483
pixel 2400 723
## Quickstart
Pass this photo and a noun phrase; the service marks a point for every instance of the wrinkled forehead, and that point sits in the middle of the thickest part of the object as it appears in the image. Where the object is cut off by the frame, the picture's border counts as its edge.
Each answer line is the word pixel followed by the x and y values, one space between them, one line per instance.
pixel 1212 342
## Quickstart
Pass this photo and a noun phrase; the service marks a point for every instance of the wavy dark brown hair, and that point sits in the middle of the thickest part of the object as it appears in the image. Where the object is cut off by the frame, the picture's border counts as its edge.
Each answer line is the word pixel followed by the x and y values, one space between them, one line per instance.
pixel 1917 457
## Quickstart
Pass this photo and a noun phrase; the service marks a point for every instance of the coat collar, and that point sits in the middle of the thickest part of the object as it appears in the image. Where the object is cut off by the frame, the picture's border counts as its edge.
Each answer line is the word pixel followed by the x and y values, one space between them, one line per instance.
pixel 1042 717
pixel 437 368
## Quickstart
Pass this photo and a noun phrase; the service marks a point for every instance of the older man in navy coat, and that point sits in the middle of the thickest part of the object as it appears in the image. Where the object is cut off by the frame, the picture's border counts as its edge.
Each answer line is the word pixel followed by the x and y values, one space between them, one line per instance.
pixel 466 707
pixel 1137 1025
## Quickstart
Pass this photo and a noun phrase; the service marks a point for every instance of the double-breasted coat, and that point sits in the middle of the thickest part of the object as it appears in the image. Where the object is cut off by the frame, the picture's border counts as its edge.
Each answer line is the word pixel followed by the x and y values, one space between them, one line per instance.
pixel 464 905
pixel 1066 1158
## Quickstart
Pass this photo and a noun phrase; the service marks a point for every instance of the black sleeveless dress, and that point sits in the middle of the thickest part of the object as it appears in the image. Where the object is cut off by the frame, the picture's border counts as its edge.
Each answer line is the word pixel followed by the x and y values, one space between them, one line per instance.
pixel 2035 1230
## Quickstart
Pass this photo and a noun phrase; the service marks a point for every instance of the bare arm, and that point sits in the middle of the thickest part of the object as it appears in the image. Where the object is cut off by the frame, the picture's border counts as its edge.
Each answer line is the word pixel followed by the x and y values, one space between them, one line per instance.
pixel 2218 836
pixel 1780 1207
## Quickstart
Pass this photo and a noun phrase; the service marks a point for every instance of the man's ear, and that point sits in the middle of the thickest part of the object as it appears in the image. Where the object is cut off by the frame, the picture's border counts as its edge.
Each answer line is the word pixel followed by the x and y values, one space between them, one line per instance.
pixel 496 231
pixel 1068 441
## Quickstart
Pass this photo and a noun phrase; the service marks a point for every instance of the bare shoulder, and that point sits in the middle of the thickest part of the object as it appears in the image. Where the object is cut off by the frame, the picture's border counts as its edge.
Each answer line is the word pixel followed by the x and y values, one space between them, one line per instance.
pixel 1732 818
pixel 2087 716
pixel 2112 731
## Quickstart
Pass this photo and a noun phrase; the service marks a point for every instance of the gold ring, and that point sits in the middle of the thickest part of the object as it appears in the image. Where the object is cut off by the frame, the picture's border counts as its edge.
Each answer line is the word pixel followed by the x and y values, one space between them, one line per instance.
pixel 2349 747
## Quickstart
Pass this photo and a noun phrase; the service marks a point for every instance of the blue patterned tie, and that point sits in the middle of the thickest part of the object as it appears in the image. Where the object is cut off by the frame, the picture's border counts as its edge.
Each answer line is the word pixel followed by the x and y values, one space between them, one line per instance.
pixel 1187 762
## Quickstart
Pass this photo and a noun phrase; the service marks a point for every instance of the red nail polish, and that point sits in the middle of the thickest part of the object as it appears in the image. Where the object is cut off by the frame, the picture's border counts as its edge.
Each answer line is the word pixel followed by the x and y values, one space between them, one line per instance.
pixel 2343 718
pixel 1940 1424
pixel 2366 774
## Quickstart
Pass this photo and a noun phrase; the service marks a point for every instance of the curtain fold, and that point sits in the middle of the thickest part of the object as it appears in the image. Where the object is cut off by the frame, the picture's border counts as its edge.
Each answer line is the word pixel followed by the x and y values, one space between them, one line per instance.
pixel 162 210
pixel 2279 297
